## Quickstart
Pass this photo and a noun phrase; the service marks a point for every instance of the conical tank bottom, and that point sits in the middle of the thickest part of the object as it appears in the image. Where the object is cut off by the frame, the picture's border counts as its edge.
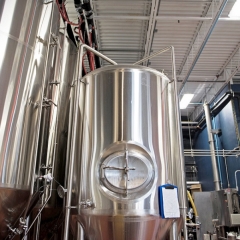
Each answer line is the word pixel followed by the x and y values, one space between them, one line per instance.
pixel 12 204
pixel 121 227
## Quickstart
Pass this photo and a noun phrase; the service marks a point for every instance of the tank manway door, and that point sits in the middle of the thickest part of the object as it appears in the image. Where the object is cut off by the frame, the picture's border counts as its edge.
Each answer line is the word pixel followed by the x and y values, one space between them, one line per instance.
pixel 126 173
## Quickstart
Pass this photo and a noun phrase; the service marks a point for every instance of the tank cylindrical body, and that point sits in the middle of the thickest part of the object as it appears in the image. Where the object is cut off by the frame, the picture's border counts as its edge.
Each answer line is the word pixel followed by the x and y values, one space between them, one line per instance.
pixel 24 36
pixel 124 151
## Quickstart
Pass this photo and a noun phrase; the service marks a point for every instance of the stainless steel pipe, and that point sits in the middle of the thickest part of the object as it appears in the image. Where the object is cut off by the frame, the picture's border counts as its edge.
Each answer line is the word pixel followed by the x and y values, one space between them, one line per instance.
pixel 212 146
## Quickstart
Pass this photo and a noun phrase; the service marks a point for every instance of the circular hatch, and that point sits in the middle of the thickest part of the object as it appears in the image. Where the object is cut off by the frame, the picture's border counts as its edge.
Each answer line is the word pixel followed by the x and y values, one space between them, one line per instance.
pixel 126 172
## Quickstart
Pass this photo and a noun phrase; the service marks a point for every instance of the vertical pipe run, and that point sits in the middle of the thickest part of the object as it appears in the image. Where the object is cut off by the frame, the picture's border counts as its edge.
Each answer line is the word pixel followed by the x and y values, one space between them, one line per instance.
pixel 72 140
pixel 212 147
pixel 181 164
pixel 218 159
pixel 226 167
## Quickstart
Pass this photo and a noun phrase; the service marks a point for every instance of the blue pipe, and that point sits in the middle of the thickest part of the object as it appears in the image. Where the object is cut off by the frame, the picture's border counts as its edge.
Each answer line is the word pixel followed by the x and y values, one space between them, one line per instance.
pixel 217 147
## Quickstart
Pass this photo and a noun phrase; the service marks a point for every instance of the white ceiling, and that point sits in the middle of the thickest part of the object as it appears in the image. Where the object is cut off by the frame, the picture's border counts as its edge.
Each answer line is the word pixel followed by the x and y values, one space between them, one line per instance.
pixel 128 30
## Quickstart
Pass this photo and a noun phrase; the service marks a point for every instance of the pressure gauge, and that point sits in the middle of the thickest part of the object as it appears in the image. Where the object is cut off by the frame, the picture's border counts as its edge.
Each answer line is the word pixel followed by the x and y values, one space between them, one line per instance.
pixel 126 172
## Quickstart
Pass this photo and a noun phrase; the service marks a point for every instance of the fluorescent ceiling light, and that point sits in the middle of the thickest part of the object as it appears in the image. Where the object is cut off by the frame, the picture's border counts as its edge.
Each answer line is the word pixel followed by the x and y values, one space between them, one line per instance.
pixel 186 99
pixel 235 12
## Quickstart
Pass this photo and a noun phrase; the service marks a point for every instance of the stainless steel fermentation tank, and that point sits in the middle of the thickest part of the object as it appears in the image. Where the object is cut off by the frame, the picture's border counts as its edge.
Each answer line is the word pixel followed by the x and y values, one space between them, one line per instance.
pixel 126 142
pixel 25 36
pixel 124 135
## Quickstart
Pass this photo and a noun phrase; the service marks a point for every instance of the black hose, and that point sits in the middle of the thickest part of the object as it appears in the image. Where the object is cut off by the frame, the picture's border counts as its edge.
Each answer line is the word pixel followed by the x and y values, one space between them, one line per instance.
pixel 69 29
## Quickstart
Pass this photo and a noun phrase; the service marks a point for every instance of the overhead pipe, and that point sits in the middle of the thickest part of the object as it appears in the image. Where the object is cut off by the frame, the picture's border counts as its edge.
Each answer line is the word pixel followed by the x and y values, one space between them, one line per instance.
pixel 190 127
pixel 203 44
pixel 212 147
pixel 218 106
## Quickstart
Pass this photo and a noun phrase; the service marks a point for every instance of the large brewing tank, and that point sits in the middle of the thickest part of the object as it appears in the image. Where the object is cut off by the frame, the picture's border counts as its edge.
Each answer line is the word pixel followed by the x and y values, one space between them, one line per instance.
pixel 128 143
pixel 24 35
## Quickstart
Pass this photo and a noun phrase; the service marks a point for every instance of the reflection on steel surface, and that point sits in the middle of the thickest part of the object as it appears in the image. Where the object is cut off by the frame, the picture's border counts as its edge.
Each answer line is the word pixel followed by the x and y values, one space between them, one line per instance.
pixel 24 34
pixel 119 227
pixel 124 151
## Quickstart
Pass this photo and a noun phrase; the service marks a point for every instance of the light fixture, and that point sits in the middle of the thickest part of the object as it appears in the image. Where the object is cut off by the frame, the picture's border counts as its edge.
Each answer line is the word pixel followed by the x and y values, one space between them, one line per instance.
pixel 235 11
pixel 186 99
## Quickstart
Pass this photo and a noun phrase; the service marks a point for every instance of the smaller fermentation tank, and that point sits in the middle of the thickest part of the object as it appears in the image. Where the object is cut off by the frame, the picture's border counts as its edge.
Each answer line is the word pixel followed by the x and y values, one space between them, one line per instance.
pixel 127 144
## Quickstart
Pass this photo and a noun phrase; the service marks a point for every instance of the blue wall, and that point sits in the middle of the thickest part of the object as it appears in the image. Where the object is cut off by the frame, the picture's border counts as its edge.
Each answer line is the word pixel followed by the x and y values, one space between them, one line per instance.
pixel 228 141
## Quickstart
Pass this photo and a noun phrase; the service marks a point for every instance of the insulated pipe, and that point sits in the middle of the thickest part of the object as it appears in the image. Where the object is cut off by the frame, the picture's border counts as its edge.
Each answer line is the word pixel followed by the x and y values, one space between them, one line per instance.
pixel 212 147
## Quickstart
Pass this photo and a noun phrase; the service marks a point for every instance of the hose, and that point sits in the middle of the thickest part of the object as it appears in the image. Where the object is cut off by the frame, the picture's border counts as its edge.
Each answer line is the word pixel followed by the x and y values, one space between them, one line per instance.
pixel 192 202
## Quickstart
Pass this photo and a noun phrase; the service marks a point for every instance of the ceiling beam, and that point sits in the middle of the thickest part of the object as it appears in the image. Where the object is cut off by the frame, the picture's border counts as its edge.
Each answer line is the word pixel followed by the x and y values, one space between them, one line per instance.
pixel 148 2
pixel 151 28
pixel 232 64
pixel 193 56
pixel 162 18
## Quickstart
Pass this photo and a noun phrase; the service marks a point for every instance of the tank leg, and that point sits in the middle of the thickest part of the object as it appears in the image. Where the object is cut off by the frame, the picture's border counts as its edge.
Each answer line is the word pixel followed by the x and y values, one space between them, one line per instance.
pixel 174 232
pixel 80 232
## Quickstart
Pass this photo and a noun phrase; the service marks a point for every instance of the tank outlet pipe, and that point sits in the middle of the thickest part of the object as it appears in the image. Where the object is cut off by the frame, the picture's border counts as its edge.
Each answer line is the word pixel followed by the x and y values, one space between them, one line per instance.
pixel 212 147
pixel 73 130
